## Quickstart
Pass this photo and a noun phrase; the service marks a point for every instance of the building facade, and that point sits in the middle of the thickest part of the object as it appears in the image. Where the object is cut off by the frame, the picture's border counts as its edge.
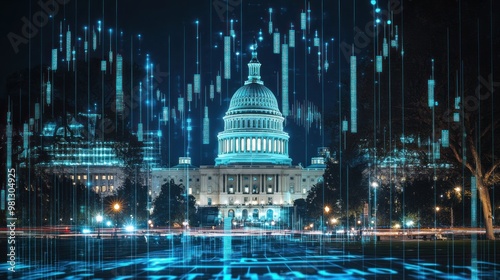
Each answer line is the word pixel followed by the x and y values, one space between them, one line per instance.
pixel 253 178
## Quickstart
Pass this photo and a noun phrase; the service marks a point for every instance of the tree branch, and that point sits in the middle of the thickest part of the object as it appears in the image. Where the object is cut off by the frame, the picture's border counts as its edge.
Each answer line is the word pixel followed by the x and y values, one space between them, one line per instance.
pixel 459 159
pixel 491 171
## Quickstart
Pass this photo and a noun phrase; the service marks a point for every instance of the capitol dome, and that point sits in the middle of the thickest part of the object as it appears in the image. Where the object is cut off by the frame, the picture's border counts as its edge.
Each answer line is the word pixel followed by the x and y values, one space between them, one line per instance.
pixel 253 98
pixel 253 125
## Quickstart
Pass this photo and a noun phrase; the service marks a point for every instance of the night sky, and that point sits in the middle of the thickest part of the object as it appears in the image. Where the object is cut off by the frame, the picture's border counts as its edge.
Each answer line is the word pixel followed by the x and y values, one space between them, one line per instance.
pixel 160 21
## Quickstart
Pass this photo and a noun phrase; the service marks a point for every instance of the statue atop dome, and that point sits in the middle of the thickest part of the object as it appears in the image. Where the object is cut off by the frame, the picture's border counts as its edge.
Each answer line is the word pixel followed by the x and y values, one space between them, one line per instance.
pixel 254 67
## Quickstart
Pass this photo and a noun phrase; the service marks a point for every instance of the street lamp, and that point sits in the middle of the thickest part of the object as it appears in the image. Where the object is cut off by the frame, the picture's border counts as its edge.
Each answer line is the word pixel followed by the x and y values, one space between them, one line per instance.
pixel 98 218
pixel 327 209
pixel 116 209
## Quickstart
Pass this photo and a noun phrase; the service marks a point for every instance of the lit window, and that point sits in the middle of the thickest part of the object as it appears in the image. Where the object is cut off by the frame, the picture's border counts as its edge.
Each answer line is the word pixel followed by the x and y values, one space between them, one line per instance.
pixel 96 177
pixel 111 188
pixel 269 189
pixel 255 189
pixel 78 177
pixel 304 190
pixel 84 177
pixel 72 177
pixel 190 191
pixel 103 177
pixel 246 189
pixel 230 190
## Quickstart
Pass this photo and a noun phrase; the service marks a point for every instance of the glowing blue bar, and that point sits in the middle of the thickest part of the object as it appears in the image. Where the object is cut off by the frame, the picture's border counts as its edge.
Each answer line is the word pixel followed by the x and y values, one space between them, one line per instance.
pixel 54 60
pixel 227 57
pixel 103 65
pixel 284 79
pixel 180 104
pixel 345 126
pixel 68 46
pixel 456 117
pixel 206 127
pixel 354 107
pixel 457 103
pixel 94 40
pixel 316 39
pixel 140 135
pixel 291 38
pixel 473 201
pixel 218 84
pixel 212 92
pixel 119 83
pixel 25 139
pixel 165 115
pixel 197 83
pixel 276 42
pixel 445 138
pixel 48 93
pixel 303 21
pixel 385 48
pixel 379 63
pixel 430 92
pixel 189 92
pixel 436 150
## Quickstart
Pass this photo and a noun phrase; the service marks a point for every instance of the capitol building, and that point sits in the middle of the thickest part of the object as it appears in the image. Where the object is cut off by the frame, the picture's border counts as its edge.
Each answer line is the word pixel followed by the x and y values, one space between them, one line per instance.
pixel 253 178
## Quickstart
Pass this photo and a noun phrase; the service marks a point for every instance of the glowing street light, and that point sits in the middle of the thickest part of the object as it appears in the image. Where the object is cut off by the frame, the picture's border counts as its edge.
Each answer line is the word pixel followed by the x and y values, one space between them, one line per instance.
pixel 116 209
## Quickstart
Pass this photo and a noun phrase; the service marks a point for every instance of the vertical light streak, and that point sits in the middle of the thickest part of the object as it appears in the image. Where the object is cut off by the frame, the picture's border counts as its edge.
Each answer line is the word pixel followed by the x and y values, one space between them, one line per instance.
pixel 85 43
pixel 445 138
pixel 291 37
pixel 303 21
pixel 354 107
pixel 276 42
pixel 379 63
pixel 165 115
pixel 212 91
pixel 385 48
pixel 430 92
pixel 197 83
pixel 218 83
pixel 25 140
pixel 316 39
pixel 119 84
pixel 48 93
pixel 284 79
pixel 68 46
pixel 206 127
pixel 54 60
pixel 270 21
pixel 94 40
pixel 227 57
